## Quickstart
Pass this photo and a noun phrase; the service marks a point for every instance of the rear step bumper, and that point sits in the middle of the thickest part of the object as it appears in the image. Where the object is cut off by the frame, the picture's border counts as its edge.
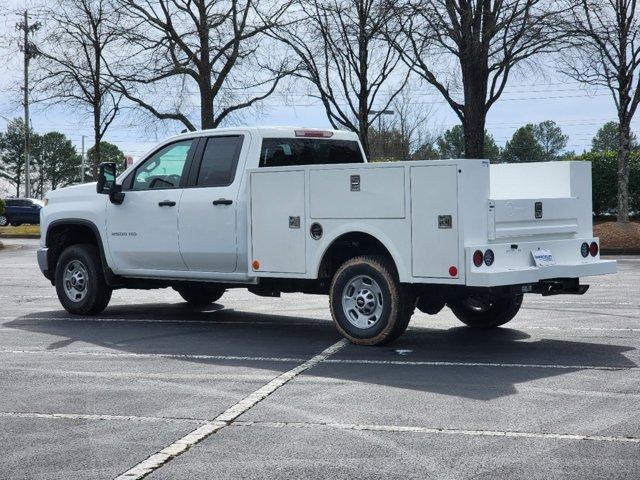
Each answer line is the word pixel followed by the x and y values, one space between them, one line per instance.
pixel 535 275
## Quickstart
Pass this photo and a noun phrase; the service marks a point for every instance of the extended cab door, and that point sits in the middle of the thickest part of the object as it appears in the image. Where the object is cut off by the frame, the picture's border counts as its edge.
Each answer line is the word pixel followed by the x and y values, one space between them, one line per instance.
pixel 209 209
pixel 142 233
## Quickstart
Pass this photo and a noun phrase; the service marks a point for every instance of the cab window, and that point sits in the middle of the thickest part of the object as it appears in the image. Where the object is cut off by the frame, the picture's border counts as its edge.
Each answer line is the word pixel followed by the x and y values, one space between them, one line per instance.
pixel 165 168
pixel 219 161
pixel 280 152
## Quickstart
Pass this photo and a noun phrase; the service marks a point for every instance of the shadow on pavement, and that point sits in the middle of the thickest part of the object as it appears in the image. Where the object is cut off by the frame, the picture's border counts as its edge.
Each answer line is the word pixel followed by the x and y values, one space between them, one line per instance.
pixel 177 329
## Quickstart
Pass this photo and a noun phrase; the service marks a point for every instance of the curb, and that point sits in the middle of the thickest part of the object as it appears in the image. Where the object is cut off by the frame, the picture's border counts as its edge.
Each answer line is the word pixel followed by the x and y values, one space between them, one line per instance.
pixel 9 237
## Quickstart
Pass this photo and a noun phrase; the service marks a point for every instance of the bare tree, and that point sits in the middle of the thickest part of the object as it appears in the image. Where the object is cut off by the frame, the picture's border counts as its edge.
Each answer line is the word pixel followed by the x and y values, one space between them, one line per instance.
pixel 342 53
pixel 468 50
pixel 72 68
pixel 218 45
pixel 607 54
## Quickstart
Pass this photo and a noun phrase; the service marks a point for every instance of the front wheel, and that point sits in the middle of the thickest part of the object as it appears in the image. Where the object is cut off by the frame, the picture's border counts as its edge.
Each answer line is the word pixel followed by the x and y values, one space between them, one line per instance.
pixel 201 296
pixel 486 311
pixel 80 283
pixel 4 220
pixel 368 304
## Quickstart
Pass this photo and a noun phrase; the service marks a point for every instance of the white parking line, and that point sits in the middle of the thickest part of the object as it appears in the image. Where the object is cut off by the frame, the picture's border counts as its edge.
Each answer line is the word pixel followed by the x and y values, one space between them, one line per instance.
pixel 339 361
pixel 150 355
pixel 485 364
pixel 181 445
pixel 96 417
pixel 446 431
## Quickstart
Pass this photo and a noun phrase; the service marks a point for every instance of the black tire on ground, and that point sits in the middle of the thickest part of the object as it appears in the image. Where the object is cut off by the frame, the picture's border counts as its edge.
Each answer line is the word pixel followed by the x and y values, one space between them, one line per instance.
pixel 366 291
pixel 4 221
pixel 200 296
pixel 80 283
pixel 485 311
pixel 15 224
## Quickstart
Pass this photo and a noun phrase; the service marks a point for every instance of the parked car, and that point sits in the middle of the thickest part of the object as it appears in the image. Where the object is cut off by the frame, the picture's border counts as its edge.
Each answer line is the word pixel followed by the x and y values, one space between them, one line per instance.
pixel 294 210
pixel 21 210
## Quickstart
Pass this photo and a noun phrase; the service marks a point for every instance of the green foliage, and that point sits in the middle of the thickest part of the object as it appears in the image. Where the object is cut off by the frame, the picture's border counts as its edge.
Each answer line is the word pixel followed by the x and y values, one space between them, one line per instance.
pixel 607 139
pixel 451 144
pixel 12 160
pixel 56 161
pixel 523 146
pixel 388 146
pixel 2 204
pixel 426 151
pixel 108 153
pixel 604 171
pixel 550 137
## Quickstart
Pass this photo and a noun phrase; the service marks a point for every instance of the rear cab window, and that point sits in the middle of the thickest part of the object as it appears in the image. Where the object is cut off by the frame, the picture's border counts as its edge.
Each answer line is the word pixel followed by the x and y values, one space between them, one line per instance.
pixel 281 152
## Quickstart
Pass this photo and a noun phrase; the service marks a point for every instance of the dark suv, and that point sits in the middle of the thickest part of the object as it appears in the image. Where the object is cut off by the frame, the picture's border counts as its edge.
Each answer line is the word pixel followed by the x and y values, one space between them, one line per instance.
pixel 21 210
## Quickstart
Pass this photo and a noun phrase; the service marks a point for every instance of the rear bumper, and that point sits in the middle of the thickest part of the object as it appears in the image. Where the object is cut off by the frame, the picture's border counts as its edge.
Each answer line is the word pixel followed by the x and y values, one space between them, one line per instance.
pixel 43 261
pixel 514 263
pixel 535 274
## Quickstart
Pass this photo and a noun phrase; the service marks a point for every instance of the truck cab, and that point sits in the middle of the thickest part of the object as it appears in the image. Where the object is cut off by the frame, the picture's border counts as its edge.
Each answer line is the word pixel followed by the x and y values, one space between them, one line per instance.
pixel 284 209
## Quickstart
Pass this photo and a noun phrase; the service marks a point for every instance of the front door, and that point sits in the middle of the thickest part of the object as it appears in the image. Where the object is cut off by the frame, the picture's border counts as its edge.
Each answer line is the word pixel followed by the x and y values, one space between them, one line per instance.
pixel 208 217
pixel 143 231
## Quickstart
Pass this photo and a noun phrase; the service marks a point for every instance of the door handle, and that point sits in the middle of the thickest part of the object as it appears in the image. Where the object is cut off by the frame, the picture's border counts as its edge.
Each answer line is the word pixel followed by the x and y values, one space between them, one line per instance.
pixel 167 203
pixel 222 201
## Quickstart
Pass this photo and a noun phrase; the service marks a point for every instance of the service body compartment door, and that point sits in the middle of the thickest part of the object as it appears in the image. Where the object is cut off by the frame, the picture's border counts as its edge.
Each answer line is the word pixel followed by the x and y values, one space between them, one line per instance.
pixel 434 220
pixel 278 226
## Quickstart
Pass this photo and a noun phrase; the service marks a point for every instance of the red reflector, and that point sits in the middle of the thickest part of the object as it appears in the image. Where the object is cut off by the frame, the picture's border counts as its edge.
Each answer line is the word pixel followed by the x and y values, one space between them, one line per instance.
pixel 593 249
pixel 453 271
pixel 477 258
pixel 314 133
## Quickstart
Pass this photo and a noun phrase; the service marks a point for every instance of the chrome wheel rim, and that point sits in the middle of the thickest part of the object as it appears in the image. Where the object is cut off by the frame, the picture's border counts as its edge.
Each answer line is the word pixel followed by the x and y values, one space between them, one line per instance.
pixel 75 280
pixel 362 302
pixel 3 221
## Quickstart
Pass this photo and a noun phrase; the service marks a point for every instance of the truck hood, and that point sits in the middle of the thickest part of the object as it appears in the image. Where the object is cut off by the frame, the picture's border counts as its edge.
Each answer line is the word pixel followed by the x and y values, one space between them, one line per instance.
pixel 74 192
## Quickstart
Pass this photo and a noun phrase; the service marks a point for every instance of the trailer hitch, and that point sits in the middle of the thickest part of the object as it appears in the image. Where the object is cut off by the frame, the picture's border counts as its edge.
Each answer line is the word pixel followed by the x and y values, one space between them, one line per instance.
pixel 560 286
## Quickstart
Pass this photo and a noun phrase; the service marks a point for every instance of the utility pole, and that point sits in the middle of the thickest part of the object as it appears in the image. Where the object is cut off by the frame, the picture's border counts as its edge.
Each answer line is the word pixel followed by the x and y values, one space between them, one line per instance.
pixel 82 167
pixel 30 52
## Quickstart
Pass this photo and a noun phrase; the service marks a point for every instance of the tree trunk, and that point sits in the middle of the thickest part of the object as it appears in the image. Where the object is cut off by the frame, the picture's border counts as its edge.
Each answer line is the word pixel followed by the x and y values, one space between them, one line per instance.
pixel 206 108
pixel 623 170
pixel 97 137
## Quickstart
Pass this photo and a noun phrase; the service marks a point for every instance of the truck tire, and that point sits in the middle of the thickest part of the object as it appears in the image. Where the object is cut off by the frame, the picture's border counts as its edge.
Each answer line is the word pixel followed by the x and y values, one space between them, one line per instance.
pixel 4 221
pixel 80 283
pixel 368 304
pixel 486 311
pixel 201 296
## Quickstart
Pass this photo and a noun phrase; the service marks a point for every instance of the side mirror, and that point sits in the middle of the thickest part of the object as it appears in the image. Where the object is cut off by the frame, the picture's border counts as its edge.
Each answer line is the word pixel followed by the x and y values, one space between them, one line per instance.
pixel 107 183
pixel 106 177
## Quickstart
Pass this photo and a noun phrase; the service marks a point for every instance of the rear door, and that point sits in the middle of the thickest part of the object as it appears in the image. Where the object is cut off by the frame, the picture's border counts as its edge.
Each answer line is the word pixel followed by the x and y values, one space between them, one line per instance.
pixel 208 217
pixel 434 221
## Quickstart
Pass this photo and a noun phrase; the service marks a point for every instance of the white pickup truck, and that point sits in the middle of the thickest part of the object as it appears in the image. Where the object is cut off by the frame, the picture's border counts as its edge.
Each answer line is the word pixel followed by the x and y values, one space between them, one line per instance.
pixel 297 210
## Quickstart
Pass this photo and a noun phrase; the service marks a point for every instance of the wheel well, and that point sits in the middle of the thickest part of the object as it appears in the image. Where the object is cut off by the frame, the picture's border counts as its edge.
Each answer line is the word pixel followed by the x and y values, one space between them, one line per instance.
pixel 64 235
pixel 348 246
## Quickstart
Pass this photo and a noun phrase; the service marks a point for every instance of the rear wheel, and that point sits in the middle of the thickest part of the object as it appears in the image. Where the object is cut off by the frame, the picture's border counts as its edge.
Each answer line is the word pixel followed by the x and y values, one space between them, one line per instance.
pixel 486 311
pixel 80 283
pixel 200 296
pixel 4 221
pixel 15 224
pixel 368 304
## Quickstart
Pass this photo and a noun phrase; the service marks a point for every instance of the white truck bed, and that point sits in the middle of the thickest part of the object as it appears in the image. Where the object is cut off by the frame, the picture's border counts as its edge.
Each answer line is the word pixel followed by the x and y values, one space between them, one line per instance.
pixel 430 215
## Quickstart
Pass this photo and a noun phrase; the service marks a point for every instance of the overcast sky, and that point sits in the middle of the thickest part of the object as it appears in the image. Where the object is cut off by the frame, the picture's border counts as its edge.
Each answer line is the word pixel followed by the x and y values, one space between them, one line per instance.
pixel 531 98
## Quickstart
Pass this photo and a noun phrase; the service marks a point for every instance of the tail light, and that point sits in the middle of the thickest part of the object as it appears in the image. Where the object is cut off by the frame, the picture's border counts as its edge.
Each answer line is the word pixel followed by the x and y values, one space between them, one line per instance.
pixel 593 249
pixel 489 257
pixel 314 134
pixel 478 258
pixel 584 250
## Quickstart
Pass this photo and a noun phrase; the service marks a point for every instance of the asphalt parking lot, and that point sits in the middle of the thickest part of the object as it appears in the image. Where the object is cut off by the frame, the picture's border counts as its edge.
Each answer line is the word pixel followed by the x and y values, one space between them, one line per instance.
pixel 265 388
